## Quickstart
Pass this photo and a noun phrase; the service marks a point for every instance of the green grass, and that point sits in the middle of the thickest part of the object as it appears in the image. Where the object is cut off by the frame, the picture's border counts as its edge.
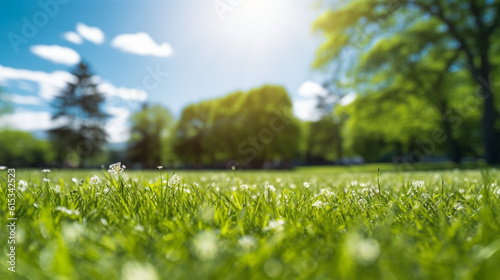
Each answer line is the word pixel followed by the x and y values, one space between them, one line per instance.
pixel 230 225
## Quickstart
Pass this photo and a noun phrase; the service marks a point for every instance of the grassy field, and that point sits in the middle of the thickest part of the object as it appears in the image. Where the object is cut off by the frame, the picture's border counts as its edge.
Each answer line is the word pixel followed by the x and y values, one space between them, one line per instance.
pixel 311 223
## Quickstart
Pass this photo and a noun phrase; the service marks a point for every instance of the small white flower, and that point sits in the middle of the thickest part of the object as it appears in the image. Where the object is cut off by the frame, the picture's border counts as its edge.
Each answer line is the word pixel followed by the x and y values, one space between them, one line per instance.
pixel 75 180
pixel 277 225
pixel 68 211
pixel 326 193
pixel 46 170
pixel 159 167
pixel 57 189
pixel 116 168
pixel 271 188
pixel 306 184
pixel 3 167
pixel 105 191
pixel 418 184
pixel 318 203
pixel 22 185
pixel 187 190
pixel 244 187
pixel 174 180
pixel 196 184
pixel 94 180
pixel 46 180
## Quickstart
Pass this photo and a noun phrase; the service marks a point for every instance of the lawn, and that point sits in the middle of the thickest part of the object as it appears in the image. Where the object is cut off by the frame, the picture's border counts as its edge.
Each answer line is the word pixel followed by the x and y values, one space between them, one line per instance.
pixel 310 223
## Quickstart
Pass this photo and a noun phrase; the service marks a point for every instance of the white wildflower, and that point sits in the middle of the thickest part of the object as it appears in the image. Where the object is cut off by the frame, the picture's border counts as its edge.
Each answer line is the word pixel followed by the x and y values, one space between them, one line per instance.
pixel 68 211
pixel 3 167
pixel 174 180
pixel 318 203
pixel 271 188
pixel 94 180
pixel 46 180
pixel 277 225
pixel 326 193
pixel 418 184
pixel 244 187
pixel 46 170
pixel 116 168
pixel 306 184
pixel 22 185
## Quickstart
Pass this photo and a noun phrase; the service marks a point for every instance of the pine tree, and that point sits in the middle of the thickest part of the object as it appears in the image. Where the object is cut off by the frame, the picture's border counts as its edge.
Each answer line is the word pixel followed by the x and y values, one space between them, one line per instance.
pixel 78 111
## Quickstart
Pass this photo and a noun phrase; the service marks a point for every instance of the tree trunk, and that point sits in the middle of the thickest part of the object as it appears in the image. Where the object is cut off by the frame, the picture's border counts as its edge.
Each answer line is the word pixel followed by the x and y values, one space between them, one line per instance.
pixel 454 150
pixel 489 115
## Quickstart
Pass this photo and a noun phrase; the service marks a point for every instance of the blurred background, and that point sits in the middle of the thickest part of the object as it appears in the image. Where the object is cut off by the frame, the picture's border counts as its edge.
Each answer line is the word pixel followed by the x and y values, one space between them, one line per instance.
pixel 248 83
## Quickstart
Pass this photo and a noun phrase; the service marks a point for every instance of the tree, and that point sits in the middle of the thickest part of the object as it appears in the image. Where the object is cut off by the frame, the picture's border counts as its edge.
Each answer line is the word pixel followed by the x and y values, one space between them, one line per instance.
pixel 251 129
pixel 324 140
pixel 430 77
pixel 381 125
pixel 18 148
pixel 469 27
pixel 78 110
pixel 150 134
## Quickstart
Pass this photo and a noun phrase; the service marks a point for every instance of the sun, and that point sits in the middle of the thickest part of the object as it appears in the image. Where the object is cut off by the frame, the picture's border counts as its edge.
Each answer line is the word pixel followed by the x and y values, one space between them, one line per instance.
pixel 257 23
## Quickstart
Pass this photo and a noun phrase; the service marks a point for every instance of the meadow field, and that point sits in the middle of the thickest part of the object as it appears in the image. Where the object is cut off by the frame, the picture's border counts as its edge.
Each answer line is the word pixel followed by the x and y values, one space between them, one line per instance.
pixel 307 223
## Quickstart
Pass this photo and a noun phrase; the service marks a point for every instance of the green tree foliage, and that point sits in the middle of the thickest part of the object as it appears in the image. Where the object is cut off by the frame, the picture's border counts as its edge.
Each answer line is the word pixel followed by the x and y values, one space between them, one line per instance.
pixel 78 109
pixel 18 148
pixel 150 135
pixel 380 126
pixel 450 34
pixel 324 140
pixel 246 129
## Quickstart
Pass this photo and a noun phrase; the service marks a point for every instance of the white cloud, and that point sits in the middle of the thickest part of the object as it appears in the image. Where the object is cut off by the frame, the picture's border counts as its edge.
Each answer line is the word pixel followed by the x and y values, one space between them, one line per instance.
pixel 25 86
pixel 117 127
pixel 305 109
pixel 49 84
pixel 23 99
pixel 142 44
pixel 56 54
pixel 131 94
pixel 28 120
pixel 312 89
pixel 92 34
pixel 73 37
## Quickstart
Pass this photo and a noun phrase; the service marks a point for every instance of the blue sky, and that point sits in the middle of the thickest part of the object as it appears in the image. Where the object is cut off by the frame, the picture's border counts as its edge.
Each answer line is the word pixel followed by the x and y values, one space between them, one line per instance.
pixel 206 52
